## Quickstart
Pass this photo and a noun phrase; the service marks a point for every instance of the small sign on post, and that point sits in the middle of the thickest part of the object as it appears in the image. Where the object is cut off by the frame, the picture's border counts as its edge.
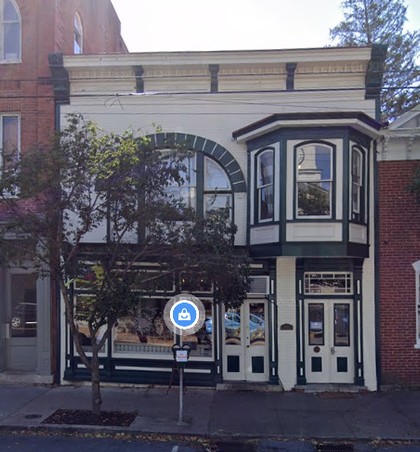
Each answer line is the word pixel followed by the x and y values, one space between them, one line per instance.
pixel 184 315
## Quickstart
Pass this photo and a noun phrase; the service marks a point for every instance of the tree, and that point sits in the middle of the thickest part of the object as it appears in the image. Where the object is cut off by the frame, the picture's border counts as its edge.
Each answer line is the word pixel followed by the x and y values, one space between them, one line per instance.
pixel 377 21
pixel 88 182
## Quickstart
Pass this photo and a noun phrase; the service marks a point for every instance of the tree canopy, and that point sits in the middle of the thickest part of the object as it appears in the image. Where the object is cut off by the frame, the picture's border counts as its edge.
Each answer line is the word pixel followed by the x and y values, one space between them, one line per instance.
pixel 94 207
pixel 383 22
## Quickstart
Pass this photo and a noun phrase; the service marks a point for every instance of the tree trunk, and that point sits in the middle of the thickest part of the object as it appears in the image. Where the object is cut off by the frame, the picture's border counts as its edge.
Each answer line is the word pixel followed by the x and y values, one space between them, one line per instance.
pixel 96 385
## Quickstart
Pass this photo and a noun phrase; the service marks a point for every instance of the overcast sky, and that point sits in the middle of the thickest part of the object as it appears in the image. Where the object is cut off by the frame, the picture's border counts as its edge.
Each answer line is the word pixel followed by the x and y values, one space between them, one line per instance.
pixel 170 25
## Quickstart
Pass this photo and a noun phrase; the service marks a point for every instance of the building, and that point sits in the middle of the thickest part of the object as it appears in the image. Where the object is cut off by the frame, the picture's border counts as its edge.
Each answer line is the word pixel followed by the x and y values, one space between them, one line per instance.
pixel 29 32
pixel 291 137
pixel 399 252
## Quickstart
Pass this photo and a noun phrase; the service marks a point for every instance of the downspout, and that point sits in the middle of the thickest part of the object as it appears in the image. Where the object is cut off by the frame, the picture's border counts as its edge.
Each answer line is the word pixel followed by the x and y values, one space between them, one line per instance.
pixel 61 88
pixel 373 85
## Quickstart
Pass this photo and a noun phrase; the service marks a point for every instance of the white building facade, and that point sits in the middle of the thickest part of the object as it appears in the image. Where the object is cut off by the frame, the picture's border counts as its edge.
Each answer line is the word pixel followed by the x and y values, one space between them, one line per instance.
pixel 287 140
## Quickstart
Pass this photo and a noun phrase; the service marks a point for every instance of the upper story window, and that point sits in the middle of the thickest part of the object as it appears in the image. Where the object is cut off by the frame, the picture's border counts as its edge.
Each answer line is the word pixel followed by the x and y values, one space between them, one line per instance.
pixel 78 34
pixel 358 194
pixel 11 31
pixel 205 186
pixel 314 180
pixel 265 185
pixel 9 136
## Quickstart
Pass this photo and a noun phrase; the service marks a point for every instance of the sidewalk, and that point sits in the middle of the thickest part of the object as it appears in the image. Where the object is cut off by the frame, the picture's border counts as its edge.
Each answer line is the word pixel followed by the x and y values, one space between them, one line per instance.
pixel 242 414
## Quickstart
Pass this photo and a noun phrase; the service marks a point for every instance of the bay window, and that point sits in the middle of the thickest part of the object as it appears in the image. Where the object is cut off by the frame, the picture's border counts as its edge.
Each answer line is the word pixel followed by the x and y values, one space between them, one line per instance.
pixel 314 180
pixel 265 185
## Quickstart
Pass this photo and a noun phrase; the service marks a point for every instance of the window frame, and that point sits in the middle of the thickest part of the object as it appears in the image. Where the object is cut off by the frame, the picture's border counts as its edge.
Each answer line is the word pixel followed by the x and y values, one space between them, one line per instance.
pixel 18 137
pixel 331 180
pixel 18 21
pixel 358 215
pixel 260 187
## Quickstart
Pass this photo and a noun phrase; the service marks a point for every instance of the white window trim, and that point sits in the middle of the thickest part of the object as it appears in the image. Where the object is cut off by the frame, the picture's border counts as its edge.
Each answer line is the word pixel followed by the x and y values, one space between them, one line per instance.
pixel 4 60
pixel 332 199
pixel 8 115
pixel 260 186
pixel 416 266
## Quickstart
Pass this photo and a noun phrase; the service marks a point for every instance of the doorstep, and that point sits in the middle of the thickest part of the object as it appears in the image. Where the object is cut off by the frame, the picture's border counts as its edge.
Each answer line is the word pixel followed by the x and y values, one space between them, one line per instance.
pixel 317 388
pixel 248 386
pixel 23 377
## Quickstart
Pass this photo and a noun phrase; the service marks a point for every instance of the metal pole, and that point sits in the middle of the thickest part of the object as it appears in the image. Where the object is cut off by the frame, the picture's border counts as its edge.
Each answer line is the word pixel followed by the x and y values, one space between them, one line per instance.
pixel 181 396
pixel 181 385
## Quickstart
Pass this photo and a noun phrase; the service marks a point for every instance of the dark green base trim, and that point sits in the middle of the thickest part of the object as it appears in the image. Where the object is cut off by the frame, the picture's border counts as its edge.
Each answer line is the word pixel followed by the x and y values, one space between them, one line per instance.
pixel 110 374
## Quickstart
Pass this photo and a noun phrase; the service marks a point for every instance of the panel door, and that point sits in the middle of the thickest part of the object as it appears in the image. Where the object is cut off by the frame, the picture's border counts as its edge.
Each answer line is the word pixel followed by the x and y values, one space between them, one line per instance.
pixel 329 347
pixel 21 317
pixel 246 342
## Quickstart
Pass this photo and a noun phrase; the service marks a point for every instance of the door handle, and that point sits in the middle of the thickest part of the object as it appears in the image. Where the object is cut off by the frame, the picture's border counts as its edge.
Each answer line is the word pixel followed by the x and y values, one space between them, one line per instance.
pixel 332 350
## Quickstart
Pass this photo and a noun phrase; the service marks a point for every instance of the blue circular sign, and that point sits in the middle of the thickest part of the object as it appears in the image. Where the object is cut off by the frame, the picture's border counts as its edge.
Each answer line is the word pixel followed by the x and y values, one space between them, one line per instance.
pixel 184 314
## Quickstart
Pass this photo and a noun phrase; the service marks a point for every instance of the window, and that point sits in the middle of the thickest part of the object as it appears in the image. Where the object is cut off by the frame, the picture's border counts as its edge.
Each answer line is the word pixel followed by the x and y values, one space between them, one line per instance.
pixel 416 266
pixel 9 136
pixel 11 31
pixel 357 181
pixel 265 185
pixel 314 180
pixel 144 333
pixel 328 283
pixel 78 35
pixel 206 186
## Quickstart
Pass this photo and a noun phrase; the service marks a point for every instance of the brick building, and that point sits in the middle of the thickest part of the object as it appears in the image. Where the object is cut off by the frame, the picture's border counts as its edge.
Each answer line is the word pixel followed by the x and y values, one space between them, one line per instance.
pixel 29 32
pixel 399 253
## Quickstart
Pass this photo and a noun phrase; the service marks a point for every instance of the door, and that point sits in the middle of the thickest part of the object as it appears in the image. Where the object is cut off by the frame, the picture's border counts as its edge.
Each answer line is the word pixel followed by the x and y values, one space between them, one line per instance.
pixel 329 342
pixel 21 318
pixel 246 342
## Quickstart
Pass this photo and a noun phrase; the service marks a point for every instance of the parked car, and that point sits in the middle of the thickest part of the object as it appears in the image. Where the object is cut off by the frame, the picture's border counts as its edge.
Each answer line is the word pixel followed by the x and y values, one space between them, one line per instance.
pixel 24 316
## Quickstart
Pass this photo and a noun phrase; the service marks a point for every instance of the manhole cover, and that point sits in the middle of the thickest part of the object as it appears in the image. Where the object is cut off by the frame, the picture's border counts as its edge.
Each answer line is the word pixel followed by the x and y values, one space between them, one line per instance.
pixel 334 448
pixel 33 416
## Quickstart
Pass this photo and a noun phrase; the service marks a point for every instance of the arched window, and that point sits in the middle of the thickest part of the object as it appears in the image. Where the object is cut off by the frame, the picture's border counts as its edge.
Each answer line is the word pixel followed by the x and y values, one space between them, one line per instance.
pixel 206 186
pixel 78 34
pixel 11 31
pixel 314 180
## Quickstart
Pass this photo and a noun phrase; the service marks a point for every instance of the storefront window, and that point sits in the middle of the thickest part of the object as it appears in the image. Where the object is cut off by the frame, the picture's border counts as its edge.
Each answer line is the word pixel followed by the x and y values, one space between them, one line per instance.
pixel 145 332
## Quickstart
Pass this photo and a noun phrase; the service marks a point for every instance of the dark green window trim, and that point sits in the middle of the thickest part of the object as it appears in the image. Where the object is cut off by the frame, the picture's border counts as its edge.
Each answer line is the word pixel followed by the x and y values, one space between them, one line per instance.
pixel 257 188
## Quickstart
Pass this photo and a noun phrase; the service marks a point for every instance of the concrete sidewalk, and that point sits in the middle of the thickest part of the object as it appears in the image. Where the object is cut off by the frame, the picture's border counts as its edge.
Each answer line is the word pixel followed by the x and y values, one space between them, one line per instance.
pixel 242 414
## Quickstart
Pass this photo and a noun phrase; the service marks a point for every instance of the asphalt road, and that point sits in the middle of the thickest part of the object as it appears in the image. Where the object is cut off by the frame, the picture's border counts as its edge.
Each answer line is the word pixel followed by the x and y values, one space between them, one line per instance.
pixel 10 442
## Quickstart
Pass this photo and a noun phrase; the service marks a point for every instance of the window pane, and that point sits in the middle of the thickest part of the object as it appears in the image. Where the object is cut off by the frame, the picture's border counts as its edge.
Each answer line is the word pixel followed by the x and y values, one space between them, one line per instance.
pixel 11 41
pixel 265 168
pixel 215 177
pixel 316 324
pixel 78 35
pixel 266 204
pixel 9 11
pixel 217 201
pixel 233 327
pixel 314 199
pixel 23 320
pixel 10 141
pixel 256 324
pixel 341 325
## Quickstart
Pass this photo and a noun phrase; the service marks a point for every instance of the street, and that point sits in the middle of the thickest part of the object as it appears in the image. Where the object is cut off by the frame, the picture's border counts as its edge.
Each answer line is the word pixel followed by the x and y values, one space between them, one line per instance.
pixel 97 443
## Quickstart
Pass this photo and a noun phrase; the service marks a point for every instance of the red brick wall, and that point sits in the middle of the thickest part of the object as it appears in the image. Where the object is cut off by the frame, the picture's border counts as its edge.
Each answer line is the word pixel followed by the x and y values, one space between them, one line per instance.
pixel 25 87
pixel 399 248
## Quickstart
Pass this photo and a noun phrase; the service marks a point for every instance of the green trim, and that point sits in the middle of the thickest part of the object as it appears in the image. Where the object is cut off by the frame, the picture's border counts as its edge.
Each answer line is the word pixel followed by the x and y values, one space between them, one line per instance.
pixel 375 71
pixel 207 147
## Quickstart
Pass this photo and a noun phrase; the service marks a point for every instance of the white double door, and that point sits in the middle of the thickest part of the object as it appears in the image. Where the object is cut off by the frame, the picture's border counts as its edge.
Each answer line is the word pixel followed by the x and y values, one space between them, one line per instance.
pixel 329 341
pixel 245 342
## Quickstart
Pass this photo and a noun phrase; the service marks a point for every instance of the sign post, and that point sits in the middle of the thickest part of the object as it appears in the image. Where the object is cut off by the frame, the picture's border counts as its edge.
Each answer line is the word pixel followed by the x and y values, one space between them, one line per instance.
pixel 184 315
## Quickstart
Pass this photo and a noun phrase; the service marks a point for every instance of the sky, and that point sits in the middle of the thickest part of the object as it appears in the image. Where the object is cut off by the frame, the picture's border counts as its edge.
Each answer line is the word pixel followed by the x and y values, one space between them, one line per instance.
pixel 172 25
